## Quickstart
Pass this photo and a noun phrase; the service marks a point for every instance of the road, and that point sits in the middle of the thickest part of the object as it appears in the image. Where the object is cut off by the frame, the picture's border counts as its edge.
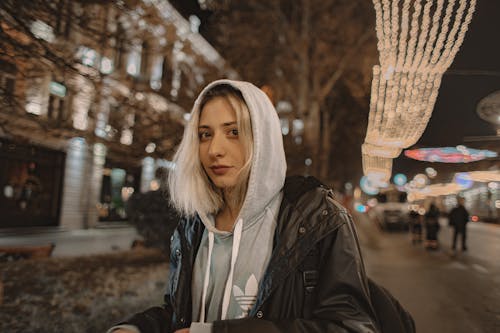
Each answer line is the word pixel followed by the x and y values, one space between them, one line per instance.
pixel 444 292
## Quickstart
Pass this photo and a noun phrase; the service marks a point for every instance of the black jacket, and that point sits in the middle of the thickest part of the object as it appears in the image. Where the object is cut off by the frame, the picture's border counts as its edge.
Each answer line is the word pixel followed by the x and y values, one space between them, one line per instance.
pixel 459 216
pixel 315 281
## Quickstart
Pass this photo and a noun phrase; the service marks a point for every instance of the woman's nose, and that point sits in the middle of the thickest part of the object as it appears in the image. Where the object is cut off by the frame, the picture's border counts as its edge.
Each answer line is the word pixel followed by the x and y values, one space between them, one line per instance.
pixel 216 148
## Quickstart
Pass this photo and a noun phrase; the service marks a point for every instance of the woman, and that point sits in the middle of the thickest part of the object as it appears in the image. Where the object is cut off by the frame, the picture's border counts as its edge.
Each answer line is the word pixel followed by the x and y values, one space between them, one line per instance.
pixel 415 226
pixel 432 227
pixel 256 252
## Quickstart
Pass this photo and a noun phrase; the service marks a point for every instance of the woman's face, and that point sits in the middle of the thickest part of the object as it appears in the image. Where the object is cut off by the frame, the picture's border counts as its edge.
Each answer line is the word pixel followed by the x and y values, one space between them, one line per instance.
pixel 222 153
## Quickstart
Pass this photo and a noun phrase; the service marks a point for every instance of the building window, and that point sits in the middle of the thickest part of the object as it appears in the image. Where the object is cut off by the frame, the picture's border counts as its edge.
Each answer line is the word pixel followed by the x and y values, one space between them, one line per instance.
pixel 63 17
pixel 57 89
pixel 156 73
pixel 56 101
pixel 106 65
pixel 81 103
pixel 119 45
pixel 88 56
pixel 42 30
pixel 145 60
pixel 127 133
pixel 166 76
pixel 56 107
pixel 118 184
pixel 37 95
pixel 7 81
pixel 30 182
pixel 134 61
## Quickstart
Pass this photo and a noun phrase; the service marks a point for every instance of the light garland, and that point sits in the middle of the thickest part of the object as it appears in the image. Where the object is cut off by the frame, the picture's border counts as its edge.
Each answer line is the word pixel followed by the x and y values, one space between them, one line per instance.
pixel 429 45
pixel 377 169
pixel 459 154
pixel 415 49
pixel 434 190
pixel 485 176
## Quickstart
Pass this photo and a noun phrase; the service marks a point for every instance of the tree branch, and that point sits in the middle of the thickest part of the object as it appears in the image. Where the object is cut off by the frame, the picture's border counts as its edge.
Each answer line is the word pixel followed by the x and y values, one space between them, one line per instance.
pixel 328 86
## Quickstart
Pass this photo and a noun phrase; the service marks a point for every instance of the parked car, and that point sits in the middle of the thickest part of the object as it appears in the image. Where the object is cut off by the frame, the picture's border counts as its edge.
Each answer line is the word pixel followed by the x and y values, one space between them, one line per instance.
pixel 392 210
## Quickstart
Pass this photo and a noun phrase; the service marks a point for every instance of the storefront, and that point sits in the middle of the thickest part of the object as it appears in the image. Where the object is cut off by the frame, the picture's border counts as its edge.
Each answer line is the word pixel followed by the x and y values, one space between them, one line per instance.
pixel 31 185
pixel 119 182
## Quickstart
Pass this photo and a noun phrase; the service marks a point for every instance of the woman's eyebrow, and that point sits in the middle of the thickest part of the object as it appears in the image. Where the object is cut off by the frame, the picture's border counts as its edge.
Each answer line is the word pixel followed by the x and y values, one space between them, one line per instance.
pixel 223 125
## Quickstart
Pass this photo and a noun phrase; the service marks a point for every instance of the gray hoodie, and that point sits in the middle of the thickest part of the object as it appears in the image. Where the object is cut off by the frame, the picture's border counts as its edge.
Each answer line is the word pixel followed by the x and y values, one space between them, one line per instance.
pixel 229 265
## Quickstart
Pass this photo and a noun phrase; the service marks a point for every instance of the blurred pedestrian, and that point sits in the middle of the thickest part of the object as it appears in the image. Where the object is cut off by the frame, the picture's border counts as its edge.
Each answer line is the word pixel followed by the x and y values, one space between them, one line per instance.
pixel 458 218
pixel 432 227
pixel 255 252
pixel 415 226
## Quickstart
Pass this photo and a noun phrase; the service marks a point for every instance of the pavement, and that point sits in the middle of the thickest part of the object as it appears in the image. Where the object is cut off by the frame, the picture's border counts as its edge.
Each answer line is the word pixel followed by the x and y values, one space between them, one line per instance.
pixel 444 291
pixel 106 238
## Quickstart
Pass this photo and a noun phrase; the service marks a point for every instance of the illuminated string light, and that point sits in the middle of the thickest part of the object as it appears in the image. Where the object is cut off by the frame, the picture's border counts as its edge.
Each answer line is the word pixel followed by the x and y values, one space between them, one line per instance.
pixel 417 42
pixel 377 169
pixel 459 154
pixel 434 190
pixel 484 176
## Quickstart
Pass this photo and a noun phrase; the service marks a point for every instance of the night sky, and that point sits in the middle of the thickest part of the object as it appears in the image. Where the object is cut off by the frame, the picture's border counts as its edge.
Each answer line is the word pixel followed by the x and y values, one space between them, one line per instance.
pixel 454 115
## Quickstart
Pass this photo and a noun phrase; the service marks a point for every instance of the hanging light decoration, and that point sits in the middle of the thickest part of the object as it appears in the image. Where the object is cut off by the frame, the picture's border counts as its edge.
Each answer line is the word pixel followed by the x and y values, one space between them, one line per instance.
pixel 417 42
pixel 377 169
pixel 483 176
pixel 434 190
pixel 459 154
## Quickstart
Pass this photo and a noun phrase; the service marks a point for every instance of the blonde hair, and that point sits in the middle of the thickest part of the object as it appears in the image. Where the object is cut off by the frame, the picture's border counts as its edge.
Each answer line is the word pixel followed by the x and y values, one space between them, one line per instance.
pixel 191 190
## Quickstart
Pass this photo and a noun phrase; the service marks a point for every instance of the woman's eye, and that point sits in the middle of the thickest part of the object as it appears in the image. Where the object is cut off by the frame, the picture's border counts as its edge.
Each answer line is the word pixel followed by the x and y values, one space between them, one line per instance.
pixel 203 135
pixel 234 132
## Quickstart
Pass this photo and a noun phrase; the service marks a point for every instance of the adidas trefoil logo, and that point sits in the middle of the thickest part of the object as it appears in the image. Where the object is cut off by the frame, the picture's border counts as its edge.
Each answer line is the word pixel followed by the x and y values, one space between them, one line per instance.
pixel 246 299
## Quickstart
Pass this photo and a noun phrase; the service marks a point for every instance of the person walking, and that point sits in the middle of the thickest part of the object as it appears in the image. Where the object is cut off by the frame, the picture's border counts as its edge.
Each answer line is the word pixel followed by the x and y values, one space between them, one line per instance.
pixel 415 226
pixel 257 251
pixel 432 227
pixel 458 218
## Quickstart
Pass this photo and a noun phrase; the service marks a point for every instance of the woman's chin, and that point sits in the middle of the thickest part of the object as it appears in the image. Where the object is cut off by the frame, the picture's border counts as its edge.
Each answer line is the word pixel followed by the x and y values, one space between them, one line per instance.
pixel 224 183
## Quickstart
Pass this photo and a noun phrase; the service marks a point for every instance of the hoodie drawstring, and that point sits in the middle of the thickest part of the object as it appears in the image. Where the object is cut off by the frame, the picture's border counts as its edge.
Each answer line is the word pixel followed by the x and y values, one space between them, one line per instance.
pixel 229 284
pixel 207 275
pixel 238 230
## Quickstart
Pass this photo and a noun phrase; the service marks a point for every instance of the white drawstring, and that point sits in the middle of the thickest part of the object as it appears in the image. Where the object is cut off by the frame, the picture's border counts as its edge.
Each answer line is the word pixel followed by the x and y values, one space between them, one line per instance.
pixel 236 246
pixel 207 275
pixel 238 230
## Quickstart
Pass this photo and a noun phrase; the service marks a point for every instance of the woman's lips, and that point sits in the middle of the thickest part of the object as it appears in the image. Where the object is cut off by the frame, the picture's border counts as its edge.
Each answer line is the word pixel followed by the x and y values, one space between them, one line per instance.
pixel 220 170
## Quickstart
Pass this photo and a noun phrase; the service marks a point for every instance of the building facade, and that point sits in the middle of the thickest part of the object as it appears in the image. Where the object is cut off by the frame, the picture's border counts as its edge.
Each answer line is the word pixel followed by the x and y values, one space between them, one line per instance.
pixel 94 99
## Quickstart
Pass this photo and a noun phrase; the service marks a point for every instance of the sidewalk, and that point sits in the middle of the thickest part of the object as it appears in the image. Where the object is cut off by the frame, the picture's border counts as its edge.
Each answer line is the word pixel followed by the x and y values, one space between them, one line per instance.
pixel 98 240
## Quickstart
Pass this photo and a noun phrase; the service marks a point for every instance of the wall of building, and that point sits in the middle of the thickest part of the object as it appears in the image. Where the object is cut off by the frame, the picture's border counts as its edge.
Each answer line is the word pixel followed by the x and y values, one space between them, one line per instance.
pixel 114 99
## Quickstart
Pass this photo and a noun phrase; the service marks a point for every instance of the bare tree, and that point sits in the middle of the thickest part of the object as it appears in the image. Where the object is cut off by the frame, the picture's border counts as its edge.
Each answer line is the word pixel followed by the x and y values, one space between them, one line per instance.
pixel 43 36
pixel 34 40
pixel 303 49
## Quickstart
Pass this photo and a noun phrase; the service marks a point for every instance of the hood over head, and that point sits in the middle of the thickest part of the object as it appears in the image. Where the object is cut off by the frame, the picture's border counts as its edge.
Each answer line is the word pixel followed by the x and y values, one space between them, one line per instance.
pixel 268 165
